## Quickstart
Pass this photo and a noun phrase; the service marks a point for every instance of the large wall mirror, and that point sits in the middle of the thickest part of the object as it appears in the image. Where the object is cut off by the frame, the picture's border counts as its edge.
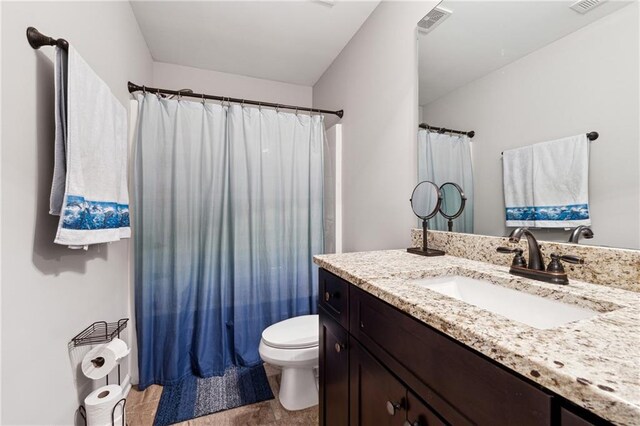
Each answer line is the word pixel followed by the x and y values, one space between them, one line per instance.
pixel 510 95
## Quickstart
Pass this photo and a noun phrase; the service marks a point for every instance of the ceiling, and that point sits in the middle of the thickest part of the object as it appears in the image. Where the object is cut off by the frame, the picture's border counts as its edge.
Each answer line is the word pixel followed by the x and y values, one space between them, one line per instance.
pixel 483 36
pixel 288 41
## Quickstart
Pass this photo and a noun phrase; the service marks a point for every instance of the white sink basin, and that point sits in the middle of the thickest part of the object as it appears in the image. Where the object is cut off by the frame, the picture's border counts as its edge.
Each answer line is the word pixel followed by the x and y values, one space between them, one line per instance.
pixel 535 311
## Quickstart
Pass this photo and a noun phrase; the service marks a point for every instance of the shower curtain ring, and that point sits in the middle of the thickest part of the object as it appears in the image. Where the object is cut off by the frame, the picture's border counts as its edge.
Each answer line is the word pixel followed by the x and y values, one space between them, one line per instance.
pixel 144 90
pixel 203 99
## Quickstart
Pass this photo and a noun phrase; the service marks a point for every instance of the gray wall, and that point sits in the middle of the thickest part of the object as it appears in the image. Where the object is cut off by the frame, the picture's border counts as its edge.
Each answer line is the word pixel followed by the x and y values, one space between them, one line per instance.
pixel 172 76
pixel 585 81
pixel 49 292
pixel 374 79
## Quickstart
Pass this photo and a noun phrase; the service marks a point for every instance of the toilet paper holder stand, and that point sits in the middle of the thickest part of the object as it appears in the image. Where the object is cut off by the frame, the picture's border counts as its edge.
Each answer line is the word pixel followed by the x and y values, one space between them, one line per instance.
pixel 123 401
pixel 98 333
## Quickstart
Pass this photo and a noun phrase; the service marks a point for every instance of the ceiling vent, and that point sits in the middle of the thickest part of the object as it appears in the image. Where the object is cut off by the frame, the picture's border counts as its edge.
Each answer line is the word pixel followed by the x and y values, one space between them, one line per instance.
pixel 584 6
pixel 433 19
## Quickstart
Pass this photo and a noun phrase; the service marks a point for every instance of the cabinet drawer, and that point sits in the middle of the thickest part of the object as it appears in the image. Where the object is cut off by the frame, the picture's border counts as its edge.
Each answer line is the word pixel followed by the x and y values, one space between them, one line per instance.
pixel 475 387
pixel 333 293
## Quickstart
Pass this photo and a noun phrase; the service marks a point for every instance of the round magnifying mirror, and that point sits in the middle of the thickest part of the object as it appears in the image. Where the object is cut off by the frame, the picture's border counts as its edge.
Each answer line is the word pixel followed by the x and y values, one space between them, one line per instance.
pixel 425 200
pixel 453 201
pixel 425 203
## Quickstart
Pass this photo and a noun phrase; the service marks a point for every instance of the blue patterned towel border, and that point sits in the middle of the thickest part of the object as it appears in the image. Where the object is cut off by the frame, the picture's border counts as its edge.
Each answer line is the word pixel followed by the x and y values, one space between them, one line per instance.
pixel 550 213
pixel 82 214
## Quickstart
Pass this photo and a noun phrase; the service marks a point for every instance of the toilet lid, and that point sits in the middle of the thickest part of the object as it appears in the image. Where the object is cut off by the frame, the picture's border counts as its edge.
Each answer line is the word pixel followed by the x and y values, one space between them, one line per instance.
pixel 293 333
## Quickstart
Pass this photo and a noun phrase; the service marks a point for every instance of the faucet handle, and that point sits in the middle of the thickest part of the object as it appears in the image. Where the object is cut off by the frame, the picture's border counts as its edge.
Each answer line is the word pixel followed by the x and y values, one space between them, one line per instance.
pixel 518 259
pixel 570 258
pixel 556 266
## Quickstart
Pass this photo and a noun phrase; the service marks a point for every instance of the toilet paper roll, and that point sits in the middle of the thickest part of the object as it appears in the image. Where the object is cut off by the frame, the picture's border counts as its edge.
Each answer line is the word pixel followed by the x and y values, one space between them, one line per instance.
pixel 100 403
pixel 99 361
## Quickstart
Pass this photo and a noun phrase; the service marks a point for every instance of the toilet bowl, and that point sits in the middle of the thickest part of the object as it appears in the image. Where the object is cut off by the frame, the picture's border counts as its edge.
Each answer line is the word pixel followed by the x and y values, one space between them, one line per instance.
pixel 292 345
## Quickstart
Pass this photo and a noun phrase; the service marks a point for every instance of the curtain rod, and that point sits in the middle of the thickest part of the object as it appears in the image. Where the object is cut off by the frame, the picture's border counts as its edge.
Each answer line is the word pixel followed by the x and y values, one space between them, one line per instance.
pixel 136 88
pixel 37 40
pixel 425 126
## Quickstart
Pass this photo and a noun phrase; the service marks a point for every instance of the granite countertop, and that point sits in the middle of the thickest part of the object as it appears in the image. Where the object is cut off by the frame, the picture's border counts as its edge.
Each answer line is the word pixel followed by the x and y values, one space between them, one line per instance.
pixel 594 362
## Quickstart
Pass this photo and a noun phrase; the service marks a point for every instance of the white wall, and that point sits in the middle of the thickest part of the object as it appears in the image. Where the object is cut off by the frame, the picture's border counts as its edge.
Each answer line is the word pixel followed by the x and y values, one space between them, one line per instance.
pixel 170 76
pixel 49 292
pixel 374 79
pixel 585 81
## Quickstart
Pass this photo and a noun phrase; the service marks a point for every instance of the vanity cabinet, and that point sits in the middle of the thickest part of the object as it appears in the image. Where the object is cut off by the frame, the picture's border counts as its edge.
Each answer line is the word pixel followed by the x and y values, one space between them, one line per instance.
pixel 380 366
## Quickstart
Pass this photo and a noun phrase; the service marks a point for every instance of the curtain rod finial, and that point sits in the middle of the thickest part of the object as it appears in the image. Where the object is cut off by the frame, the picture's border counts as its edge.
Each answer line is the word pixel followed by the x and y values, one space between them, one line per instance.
pixel 340 113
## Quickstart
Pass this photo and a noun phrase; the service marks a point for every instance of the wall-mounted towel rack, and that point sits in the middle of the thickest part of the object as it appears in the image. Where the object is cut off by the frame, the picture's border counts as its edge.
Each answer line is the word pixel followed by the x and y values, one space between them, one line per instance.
pixel 592 136
pixel 37 40
pixel 425 126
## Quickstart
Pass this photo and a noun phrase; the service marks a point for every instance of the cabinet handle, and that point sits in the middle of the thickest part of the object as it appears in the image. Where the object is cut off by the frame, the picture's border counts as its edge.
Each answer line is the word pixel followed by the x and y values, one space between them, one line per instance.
pixel 327 296
pixel 392 407
pixel 416 423
pixel 339 347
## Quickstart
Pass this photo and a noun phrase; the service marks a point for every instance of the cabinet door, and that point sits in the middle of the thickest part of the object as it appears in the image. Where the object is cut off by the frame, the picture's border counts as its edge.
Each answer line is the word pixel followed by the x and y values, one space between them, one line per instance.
pixel 419 414
pixel 334 372
pixel 377 397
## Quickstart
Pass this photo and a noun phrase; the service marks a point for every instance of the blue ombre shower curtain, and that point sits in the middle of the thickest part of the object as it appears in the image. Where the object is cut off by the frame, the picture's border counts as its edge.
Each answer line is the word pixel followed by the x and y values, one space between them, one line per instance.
pixel 228 214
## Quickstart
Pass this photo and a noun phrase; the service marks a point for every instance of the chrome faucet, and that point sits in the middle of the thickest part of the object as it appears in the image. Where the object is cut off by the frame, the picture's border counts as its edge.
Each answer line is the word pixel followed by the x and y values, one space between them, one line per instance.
pixel 554 273
pixel 535 257
pixel 580 231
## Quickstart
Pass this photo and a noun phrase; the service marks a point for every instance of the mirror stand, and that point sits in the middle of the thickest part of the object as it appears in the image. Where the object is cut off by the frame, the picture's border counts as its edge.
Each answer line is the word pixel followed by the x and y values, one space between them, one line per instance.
pixel 425 250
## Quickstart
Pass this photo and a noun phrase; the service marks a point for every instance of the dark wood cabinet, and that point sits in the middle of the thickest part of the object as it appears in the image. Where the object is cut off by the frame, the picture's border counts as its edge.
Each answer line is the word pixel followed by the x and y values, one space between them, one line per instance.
pixel 419 414
pixel 380 366
pixel 377 397
pixel 334 371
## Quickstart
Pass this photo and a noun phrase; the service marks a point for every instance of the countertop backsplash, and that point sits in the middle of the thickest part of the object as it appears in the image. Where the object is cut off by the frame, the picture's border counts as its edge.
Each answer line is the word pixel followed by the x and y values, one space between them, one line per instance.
pixel 608 266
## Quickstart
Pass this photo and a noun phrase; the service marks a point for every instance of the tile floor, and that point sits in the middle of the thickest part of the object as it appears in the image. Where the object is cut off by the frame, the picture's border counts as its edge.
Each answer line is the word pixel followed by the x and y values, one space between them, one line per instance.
pixel 141 410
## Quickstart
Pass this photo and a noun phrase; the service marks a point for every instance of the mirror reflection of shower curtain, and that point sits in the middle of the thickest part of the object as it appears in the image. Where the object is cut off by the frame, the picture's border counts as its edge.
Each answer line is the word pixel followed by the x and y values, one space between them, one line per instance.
pixel 228 214
pixel 447 158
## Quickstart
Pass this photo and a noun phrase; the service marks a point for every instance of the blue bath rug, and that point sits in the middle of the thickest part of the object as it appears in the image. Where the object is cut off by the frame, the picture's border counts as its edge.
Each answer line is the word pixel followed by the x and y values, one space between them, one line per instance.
pixel 194 397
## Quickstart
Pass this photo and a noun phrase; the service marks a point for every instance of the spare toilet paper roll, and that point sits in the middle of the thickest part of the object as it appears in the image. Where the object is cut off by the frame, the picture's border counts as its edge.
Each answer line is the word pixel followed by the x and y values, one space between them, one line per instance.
pixel 100 403
pixel 99 361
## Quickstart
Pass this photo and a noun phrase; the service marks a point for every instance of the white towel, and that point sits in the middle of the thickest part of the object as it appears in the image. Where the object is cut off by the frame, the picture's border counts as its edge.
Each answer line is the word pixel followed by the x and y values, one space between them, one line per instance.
pixel 95 205
pixel 546 185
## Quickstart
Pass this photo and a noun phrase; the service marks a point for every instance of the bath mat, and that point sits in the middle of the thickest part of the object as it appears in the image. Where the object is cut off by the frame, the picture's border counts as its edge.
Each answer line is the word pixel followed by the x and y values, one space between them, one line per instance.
pixel 194 397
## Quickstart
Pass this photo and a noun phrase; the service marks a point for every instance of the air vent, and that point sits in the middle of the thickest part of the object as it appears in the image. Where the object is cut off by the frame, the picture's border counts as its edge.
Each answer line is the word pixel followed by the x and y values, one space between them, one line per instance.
pixel 584 6
pixel 433 19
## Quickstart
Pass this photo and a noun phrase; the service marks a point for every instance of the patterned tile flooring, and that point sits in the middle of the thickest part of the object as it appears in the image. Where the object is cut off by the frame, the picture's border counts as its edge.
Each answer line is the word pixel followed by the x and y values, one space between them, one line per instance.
pixel 141 410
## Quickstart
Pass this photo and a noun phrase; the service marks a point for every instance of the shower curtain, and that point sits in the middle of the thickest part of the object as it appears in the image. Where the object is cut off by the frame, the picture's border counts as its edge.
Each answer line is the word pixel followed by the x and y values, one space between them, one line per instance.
pixel 228 214
pixel 445 158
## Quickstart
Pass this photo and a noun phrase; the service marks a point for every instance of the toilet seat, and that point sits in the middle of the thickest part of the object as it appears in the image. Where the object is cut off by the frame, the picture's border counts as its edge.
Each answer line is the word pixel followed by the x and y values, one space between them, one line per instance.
pixel 293 333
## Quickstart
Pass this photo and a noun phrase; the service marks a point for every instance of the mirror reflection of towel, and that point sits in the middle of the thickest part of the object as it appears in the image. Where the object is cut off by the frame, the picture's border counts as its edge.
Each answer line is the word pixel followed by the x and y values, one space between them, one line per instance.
pixel 546 184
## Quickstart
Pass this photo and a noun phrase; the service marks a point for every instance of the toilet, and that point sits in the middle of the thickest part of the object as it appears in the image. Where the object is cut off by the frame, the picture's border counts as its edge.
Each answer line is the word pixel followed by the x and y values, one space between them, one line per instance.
pixel 292 345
